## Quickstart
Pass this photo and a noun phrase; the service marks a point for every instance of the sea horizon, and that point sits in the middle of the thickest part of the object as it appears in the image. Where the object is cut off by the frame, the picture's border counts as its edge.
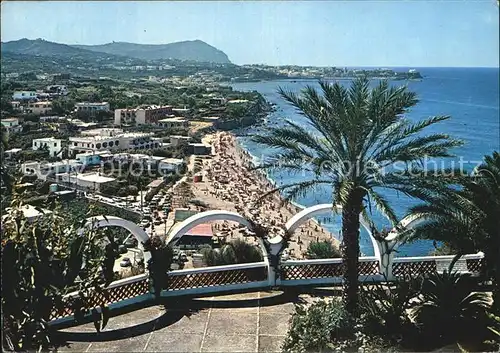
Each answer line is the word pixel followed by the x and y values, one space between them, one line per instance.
pixel 470 96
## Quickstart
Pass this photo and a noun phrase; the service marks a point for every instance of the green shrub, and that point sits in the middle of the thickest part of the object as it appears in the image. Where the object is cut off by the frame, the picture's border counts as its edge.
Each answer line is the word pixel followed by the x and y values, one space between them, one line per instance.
pixel 41 262
pixel 235 252
pixel 318 327
pixel 450 311
pixel 384 309
pixel 322 250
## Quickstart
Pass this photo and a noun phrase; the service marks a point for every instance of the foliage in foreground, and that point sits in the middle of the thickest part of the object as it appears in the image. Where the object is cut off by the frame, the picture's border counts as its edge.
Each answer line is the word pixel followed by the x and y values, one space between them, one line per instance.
pixel 319 326
pixel 421 314
pixel 159 264
pixel 235 252
pixel 467 219
pixel 322 250
pixel 352 135
pixel 41 262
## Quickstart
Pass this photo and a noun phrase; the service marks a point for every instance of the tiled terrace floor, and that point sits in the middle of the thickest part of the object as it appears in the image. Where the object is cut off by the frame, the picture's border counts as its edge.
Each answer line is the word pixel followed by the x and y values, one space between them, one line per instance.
pixel 253 322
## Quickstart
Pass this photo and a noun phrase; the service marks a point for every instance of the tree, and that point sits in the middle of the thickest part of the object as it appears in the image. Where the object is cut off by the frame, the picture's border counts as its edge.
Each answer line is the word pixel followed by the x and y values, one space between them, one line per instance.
pixel 122 192
pixel 357 142
pixel 466 219
pixel 133 190
pixel 43 261
pixel 322 250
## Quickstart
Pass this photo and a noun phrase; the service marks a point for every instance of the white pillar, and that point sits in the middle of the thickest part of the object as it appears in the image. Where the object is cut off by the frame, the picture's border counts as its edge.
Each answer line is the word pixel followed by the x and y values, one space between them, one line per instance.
pixel 272 257
pixel 386 249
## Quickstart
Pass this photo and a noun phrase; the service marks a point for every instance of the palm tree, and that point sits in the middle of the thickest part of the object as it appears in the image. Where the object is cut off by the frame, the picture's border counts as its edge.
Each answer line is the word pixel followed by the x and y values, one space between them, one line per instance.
pixel 467 219
pixel 357 141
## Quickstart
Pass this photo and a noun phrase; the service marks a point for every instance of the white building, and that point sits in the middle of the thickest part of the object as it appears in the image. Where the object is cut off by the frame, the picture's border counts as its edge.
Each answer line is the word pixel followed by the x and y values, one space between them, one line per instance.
pixel 24 95
pixel 170 165
pixel 112 140
pixel 91 108
pixel 9 154
pixel 16 105
pixel 39 108
pixel 44 170
pixel 142 115
pixel 53 145
pixel 170 123
pixel 102 132
pixel 30 212
pixel 90 181
pixel 11 125
pixel 176 140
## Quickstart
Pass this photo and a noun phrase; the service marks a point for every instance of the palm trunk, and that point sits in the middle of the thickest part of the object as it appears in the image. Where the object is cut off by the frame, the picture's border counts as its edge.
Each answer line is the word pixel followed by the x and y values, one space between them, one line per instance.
pixel 350 253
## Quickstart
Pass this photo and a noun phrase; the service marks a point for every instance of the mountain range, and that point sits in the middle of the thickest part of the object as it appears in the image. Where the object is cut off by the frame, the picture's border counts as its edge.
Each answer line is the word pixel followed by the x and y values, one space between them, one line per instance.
pixel 195 50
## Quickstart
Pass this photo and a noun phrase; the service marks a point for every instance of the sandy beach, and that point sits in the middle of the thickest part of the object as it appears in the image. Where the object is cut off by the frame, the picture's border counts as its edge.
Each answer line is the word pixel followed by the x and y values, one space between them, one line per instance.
pixel 230 184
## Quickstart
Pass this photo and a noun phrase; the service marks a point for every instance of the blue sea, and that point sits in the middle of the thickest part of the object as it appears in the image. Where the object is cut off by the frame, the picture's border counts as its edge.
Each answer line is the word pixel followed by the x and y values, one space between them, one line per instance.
pixel 469 95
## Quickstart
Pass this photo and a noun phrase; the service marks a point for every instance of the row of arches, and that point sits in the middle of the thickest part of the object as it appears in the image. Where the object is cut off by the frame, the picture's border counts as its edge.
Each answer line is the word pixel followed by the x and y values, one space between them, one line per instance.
pixel 383 248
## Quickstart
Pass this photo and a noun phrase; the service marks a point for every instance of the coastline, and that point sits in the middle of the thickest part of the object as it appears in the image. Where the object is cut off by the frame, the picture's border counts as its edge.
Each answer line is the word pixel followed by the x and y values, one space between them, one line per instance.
pixel 298 207
pixel 230 183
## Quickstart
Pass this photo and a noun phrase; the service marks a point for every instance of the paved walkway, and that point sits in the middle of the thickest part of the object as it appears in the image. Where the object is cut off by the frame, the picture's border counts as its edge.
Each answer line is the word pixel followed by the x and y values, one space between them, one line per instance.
pixel 253 322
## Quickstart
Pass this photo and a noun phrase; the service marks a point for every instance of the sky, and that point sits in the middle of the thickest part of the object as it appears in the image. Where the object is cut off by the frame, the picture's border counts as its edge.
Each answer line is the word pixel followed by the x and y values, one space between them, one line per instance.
pixel 419 33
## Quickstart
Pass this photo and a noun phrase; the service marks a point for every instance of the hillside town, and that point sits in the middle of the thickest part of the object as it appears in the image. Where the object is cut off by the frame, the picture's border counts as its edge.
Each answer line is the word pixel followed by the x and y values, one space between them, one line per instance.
pixel 132 158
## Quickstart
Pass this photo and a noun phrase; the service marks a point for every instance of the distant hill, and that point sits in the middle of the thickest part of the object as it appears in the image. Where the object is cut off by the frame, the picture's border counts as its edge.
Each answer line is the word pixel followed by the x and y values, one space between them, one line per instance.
pixel 195 50
pixel 40 47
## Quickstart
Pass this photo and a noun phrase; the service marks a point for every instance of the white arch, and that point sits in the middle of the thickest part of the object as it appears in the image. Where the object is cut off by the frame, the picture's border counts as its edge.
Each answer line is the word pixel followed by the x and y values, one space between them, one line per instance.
pixel 220 215
pixel 112 221
pixel 204 217
pixel 309 212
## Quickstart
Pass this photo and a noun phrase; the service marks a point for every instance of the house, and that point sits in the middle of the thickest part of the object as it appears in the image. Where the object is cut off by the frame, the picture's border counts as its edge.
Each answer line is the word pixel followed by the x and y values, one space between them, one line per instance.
pixel 177 140
pixel 30 212
pixel 238 101
pixel 11 125
pixel 9 154
pixel 170 165
pixel 16 105
pixel 217 101
pixel 142 115
pixel 92 108
pixel 39 108
pixel 181 111
pixel 57 90
pixel 198 235
pixel 172 123
pixel 53 145
pixel 112 139
pixel 24 95
pixel 90 158
pixel 89 181
pixel 45 170
pixel 51 118
pixel 199 149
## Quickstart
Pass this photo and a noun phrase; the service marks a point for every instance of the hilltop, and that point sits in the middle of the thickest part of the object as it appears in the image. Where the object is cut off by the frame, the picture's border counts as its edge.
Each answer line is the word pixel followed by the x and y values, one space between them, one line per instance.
pixel 195 50
pixel 41 47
